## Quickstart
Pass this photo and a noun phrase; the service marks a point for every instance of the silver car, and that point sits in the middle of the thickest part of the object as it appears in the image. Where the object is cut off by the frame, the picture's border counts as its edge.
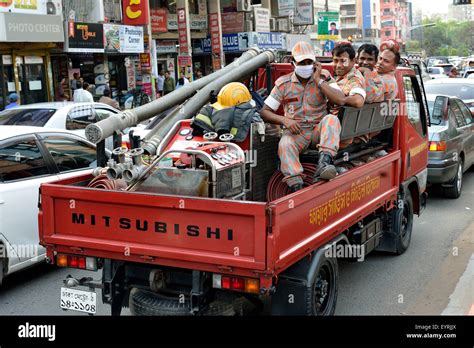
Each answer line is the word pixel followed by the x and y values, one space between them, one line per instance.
pixel 451 149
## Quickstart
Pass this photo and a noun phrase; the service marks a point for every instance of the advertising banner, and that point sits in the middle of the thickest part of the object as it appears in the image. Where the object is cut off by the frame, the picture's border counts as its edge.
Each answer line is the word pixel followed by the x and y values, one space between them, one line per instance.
pixel 215 41
pixel 135 12
pixel 182 31
pixel 131 39
pixel 159 21
pixel 304 12
pixel 85 37
pixel 328 25
pixel 112 38
pixel 233 22
pixel 36 7
pixel 262 19
pixel 20 27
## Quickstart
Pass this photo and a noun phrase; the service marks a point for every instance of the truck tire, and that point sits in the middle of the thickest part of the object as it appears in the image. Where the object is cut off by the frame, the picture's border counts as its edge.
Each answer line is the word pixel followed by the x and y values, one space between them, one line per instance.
pixel 147 303
pixel 454 191
pixel 322 295
pixel 403 224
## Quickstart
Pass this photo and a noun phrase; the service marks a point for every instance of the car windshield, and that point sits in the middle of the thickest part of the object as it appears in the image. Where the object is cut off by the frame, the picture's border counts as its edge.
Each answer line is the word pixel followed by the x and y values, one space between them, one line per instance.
pixel 26 117
pixel 435 71
pixel 460 90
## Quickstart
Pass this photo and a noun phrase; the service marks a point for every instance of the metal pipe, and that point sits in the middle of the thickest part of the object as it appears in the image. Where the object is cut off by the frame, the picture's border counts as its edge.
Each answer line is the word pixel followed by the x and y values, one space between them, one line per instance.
pixel 193 105
pixel 128 118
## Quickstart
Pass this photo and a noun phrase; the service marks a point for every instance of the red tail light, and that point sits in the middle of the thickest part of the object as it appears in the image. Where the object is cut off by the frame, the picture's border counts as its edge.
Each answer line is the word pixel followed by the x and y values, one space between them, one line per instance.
pixel 236 283
pixel 73 261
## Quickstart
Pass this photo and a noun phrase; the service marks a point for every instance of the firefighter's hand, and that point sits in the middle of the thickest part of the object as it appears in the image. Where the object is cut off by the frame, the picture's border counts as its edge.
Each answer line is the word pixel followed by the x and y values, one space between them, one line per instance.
pixel 317 71
pixel 292 125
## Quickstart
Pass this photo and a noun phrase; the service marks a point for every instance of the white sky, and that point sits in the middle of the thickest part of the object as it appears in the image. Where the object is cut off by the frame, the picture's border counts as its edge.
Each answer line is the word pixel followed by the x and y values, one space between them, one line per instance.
pixel 432 6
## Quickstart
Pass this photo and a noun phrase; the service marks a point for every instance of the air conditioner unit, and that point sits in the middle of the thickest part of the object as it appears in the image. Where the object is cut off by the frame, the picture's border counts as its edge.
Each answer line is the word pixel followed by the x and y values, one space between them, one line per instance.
pixel 273 26
pixel 283 24
pixel 248 25
pixel 244 5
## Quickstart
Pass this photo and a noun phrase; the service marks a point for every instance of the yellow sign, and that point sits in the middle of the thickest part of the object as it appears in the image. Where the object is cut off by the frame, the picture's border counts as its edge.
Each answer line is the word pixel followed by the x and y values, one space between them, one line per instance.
pixel 344 200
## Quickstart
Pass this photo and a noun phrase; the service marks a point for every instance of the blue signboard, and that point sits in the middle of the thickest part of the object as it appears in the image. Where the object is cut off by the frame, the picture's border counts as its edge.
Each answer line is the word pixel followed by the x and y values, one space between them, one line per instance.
pixel 270 40
pixel 329 46
pixel 230 42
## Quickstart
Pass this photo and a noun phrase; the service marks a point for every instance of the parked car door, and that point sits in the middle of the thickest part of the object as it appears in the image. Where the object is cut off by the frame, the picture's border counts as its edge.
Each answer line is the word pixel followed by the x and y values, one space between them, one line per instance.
pixel 463 130
pixel 468 133
pixel 23 167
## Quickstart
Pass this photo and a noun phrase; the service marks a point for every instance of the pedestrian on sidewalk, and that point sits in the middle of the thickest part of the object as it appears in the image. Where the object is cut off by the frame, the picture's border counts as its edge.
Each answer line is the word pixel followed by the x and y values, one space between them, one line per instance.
pixel 13 98
pixel 106 99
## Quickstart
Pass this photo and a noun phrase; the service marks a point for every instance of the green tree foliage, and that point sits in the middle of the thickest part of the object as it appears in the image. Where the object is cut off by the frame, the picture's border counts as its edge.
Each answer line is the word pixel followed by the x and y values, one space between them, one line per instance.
pixel 449 38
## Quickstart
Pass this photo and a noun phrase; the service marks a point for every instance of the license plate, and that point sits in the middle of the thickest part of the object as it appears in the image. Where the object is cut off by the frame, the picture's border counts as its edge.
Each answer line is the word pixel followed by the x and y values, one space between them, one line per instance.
pixel 78 300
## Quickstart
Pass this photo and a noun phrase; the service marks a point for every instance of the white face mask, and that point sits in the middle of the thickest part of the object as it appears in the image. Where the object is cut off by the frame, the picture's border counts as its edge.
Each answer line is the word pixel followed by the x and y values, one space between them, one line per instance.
pixel 303 71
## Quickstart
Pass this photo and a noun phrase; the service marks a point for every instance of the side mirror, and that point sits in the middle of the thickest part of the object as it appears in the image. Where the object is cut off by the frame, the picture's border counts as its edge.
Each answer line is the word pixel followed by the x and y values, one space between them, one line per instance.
pixel 440 108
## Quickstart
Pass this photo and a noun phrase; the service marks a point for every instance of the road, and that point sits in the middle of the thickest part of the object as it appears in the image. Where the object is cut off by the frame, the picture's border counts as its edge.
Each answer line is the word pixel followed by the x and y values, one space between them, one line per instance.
pixel 417 282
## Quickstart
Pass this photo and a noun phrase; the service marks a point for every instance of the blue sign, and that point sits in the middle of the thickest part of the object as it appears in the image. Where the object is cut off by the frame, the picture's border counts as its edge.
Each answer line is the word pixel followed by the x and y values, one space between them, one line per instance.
pixel 329 46
pixel 270 40
pixel 230 42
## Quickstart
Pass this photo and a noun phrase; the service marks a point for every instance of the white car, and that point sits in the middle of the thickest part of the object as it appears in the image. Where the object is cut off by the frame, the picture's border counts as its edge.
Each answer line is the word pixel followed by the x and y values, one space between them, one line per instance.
pixel 29 157
pixel 60 115
pixel 436 73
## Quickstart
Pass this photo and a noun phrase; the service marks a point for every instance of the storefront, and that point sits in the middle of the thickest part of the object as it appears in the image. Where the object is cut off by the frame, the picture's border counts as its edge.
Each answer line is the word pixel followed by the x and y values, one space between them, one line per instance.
pixel 25 65
pixel 103 55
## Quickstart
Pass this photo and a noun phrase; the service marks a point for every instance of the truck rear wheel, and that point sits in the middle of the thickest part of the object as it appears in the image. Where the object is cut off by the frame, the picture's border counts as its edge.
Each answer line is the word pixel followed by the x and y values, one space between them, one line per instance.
pixel 322 296
pixel 403 224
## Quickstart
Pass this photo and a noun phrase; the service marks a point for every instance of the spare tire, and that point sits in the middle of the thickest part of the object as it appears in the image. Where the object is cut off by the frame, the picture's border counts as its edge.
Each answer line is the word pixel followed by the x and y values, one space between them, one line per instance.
pixel 147 303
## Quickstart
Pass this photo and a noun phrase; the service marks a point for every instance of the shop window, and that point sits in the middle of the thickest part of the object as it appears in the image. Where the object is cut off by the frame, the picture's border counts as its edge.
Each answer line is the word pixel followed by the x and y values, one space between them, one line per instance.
pixel 113 10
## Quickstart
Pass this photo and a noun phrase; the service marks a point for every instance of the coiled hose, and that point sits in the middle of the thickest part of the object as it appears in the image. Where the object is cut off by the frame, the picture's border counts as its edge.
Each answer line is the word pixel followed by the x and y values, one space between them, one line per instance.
pixel 278 189
pixel 102 182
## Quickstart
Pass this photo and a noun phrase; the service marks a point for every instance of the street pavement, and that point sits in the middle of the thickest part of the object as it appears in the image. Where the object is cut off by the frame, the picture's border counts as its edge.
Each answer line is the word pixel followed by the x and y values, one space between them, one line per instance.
pixel 430 278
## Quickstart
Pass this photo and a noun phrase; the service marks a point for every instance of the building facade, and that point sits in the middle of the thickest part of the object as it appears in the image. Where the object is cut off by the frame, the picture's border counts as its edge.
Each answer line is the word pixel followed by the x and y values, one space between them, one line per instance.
pixel 360 21
pixel 394 20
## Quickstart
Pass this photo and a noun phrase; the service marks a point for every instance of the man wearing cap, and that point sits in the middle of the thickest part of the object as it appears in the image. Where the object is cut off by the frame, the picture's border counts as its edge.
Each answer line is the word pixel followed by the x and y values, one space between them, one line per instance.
pixel 13 98
pixel 303 95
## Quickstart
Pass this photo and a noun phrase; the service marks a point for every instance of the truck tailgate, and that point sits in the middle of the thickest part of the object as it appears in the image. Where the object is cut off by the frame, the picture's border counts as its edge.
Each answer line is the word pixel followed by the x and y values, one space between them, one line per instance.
pixel 158 229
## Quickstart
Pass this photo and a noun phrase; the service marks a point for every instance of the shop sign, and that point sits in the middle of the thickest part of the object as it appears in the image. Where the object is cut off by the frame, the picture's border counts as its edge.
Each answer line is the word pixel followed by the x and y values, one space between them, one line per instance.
pixel 285 7
pixel 50 7
pixel 215 41
pixel 135 12
pixel 33 60
pixel 182 31
pixel 112 38
pixel 233 22
pixel 7 60
pixel 304 12
pixel 262 19
pixel 163 47
pixel 263 40
pixel 145 61
pixel 31 28
pixel 159 21
pixel 131 39
pixel 196 22
pixel 230 42
pixel 185 63
pixel 85 37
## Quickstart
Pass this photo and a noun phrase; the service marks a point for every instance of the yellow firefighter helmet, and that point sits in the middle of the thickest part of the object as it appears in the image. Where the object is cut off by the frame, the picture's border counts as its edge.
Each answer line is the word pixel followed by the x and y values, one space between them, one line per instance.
pixel 232 94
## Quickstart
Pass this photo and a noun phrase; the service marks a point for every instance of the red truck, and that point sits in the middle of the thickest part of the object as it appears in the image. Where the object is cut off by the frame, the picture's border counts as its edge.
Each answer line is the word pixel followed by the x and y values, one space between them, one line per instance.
pixel 207 250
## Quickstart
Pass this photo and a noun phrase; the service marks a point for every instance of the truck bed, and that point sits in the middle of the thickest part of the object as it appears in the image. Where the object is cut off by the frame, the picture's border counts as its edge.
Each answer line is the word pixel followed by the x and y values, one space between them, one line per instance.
pixel 246 238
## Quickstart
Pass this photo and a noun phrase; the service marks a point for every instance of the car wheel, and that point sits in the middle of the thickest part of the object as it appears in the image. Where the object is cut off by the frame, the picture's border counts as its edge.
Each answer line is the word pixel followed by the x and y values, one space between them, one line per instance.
pixel 454 191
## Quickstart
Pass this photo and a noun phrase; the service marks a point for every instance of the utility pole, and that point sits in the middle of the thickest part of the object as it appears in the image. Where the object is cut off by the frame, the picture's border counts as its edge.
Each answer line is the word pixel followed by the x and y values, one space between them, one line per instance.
pixel 326 6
